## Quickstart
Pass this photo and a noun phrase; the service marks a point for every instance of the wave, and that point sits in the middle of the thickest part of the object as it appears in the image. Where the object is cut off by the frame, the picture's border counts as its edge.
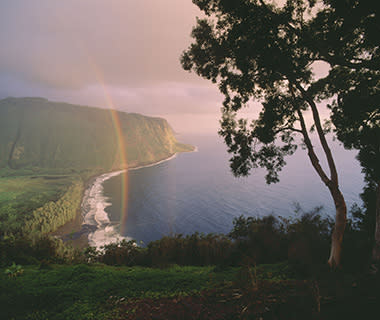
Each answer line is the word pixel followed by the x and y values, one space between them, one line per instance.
pixel 93 207
pixel 95 218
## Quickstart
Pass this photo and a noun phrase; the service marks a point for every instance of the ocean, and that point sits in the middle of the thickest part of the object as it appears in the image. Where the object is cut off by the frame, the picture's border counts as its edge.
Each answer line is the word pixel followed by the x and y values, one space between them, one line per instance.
pixel 196 192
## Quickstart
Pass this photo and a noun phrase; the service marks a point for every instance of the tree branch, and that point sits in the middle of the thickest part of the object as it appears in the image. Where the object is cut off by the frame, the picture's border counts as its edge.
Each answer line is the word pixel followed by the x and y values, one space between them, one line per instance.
pixel 313 157
pixel 288 128
pixel 321 135
pixel 336 61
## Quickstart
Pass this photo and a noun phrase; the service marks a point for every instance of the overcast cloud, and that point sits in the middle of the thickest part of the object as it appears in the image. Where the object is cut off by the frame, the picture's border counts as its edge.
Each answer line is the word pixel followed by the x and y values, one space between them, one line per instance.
pixel 67 50
pixel 71 50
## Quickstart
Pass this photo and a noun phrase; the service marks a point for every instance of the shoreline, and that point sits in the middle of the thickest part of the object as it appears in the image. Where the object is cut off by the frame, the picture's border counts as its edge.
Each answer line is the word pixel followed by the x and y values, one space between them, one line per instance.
pixel 76 232
pixel 70 232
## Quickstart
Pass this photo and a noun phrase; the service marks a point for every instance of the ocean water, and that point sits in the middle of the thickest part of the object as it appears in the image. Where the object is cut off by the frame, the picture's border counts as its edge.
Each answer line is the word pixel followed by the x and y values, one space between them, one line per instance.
pixel 197 192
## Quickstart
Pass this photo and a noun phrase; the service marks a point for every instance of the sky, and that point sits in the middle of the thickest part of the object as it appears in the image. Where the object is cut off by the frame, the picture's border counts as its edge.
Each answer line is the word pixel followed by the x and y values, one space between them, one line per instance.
pixel 78 51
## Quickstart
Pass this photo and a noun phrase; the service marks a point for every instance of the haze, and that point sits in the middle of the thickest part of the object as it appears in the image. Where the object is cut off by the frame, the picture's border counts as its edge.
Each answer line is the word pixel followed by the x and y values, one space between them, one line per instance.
pixel 85 51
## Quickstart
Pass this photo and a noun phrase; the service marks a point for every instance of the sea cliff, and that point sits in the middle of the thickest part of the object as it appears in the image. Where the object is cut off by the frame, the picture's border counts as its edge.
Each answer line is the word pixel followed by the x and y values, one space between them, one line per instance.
pixel 47 147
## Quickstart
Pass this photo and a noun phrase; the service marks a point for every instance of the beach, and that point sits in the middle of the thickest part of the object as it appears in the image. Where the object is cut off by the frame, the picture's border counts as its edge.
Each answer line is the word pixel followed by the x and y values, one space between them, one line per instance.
pixel 92 226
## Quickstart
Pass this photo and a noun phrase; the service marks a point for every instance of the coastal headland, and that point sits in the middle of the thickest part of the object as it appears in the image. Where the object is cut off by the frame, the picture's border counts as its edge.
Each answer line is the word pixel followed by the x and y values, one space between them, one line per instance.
pixel 53 152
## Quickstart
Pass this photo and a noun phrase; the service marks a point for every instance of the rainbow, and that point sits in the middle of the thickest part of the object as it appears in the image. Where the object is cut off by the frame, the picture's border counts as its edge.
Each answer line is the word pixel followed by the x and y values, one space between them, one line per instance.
pixel 122 147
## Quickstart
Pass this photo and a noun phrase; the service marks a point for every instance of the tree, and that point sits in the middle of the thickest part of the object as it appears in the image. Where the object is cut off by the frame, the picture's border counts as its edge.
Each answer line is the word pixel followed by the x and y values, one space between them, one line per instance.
pixel 356 116
pixel 350 44
pixel 253 49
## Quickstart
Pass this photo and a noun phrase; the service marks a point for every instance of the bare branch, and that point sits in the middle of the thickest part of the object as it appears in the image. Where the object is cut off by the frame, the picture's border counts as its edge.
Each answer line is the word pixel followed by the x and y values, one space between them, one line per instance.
pixel 321 134
pixel 288 128
pixel 312 155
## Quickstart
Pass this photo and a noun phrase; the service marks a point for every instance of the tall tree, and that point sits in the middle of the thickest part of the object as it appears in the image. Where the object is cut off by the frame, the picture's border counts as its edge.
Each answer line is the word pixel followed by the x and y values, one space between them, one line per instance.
pixel 356 116
pixel 254 49
pixel 349 42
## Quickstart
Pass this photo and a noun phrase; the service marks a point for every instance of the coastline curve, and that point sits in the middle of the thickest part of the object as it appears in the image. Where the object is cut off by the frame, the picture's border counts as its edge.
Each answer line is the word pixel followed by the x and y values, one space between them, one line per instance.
pixel 100 229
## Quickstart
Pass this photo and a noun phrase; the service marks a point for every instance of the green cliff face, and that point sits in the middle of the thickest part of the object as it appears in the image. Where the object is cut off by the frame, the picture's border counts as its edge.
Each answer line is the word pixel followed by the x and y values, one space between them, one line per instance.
pixel 48 150
pixel 35 132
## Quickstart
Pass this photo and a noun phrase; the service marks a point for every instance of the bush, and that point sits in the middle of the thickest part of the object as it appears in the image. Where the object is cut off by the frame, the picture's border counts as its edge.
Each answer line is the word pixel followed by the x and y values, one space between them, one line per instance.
pixel 262 239
pixel 125 253
pixel 303 241
pixel 29 251
pixel 309 239
pixel 14 270
pixel 196 249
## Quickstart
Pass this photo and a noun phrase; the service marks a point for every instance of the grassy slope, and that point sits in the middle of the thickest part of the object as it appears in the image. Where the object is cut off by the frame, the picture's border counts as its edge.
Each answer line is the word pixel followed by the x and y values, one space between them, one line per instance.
pixel 21 195
pixel 84 292
pixel 46 147
pixel 100 292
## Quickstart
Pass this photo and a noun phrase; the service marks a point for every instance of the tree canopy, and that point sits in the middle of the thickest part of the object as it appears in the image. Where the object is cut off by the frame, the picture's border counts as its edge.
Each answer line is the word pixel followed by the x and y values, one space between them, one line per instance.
pixel 350 44
pixel 256 49
pixel 262 51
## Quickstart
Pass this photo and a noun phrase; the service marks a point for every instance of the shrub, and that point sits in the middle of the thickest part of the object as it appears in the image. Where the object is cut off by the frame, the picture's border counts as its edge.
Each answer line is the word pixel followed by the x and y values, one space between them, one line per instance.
pixel 14 270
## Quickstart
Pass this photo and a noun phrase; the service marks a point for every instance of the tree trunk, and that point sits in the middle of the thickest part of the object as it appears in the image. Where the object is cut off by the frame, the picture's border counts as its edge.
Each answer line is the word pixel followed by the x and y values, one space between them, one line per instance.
pixel 376 247
pixel 340 225
pixel 332 184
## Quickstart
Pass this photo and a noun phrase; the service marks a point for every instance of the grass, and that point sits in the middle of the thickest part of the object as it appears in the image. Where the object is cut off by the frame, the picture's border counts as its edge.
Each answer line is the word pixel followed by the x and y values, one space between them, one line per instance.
pixel 36 187
pixel 100 292
pixel 86 292
pixel 21 195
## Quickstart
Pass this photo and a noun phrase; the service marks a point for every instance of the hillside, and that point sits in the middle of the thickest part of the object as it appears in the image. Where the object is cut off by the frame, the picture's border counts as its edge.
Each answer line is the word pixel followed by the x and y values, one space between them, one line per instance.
pixel 48 151
pixel 35 132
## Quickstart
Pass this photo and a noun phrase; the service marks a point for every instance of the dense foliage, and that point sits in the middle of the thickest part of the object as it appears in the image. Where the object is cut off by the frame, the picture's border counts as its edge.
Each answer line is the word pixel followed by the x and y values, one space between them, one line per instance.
pixel 259 50
pixel 55 214
pixel 302 241
pixel 22 198
pixel 349 43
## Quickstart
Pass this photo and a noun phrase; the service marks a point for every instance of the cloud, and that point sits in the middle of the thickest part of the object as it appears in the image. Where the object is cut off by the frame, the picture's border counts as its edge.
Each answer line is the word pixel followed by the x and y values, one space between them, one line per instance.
pixel 74 50
pixel 65 43
pixel 81 51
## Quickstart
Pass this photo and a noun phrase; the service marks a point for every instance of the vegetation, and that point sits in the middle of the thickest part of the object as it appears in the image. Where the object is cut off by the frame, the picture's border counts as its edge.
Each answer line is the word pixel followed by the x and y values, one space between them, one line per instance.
pixel 349 43
pixel 49 150
pixel 302 241
pixel 105 292
pixel 264 268
pixel 95 292
pixel 266 51
pixel 257 50
pixel 23 197
pixel 55 214
pixel 37 133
